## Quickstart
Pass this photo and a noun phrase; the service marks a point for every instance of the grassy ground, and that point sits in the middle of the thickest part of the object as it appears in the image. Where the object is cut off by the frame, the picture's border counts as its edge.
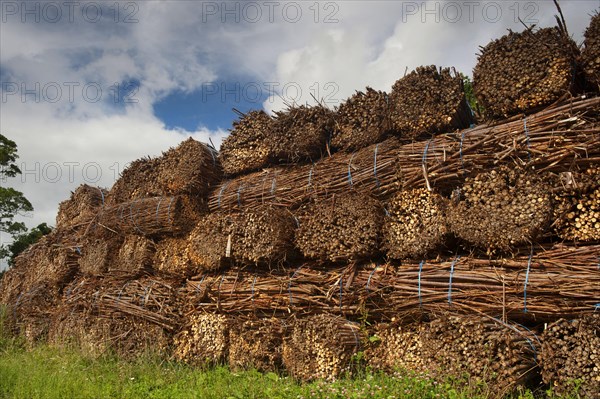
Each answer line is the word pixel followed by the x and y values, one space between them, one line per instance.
pixel 46 372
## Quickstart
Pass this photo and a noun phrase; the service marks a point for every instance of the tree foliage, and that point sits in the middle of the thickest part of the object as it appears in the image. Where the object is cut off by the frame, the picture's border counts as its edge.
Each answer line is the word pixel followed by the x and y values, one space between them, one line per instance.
pixel 13 203
pixel 22 241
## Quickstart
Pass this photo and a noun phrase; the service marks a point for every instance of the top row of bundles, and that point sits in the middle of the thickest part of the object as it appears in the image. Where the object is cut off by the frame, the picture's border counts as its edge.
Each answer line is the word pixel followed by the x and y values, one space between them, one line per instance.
pixel 518 73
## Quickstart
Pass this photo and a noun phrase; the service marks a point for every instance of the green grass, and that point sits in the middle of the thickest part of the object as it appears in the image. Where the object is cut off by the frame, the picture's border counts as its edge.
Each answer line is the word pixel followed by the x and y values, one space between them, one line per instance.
pixel 47 372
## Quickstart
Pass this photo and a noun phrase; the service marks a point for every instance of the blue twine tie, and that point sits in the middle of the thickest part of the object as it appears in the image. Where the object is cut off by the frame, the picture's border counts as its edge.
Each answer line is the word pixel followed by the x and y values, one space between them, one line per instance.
pixel 526 282
pixel 375 166
pixel 371 275
pixel 419 279
pixel 350 170
pixel 450 282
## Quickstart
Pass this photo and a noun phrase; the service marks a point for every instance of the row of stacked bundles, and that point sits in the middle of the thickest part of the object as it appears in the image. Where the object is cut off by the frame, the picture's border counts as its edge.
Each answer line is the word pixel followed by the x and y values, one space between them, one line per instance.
pixel 392 227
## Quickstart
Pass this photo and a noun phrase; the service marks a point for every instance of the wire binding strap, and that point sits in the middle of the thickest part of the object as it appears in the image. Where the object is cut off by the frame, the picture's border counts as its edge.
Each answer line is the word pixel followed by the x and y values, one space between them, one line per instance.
pixel 78 250
pixel 424 164
pixel 350 170
pixel 419 280
pixel 375 166
pixel 169 210
pixel 273 185
pixel 596 307
pixel 221 194
pixel 341 291
pixel 290 284
pixel 527 137
pixel 527 281
pixel 158 207
pixel 310 175
pixel 460 151
pixel 253 282
pixel 371 275
pixel 132 218
pixel 239 191
pixel 450 282
pixel 102 195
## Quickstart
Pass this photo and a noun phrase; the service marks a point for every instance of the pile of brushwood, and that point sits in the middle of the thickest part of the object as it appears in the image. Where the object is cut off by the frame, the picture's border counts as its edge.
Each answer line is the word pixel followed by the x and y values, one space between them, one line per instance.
pixel 390 227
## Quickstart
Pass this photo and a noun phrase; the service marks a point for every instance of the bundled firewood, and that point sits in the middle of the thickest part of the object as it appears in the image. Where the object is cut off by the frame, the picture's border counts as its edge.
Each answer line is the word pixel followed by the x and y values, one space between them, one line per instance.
pixel 553 140
pixel 539 286
pixel 264 236
pixel 97 335
pixel 428 101
pixel 321 347
pixel 415 223
pixel 28 314
pixel 535 286
pixel 300 133
pixel 99 248
pixel 345 227
pixel 570 356
pixel 522 71
pixel 152 299
pixel 398 346
pixel 486 350
pixel 591 51
pixel 362 120
pixel 135 255
pixel 204 339
pixel 81 207
pixel 256 343
pixel 577 213
pixel 150 216
pixel 501 209
pixel 371 169
pixel 172 257
pixel 192 168
pixel 246 148
pixel 310 288
pixel 52 260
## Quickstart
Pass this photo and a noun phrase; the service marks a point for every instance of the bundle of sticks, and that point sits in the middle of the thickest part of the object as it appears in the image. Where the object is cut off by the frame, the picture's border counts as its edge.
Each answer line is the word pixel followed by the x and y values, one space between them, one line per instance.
pixel 81 207
pixel 428 101
pixel 577 212
pixel 260 236
pixel 415 223
pixel 256 343
pixel 570 356
pixel 171 256
pixel 362 120
pixel 345 227
pixel 147 298
pixel 52 260
pixel 591 51
pixel 149 216
pixel 246 148
pixel 300 133
pixel 522 71
pixel 501 209
pixel 522 288
pixel 557 139
pixel 192 168
pixel 204 339
pixel 321 347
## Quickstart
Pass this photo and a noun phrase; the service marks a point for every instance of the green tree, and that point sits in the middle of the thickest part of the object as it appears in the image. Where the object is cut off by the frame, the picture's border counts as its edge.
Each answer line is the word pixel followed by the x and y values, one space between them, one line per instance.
pixel 13 203
pixel 22 241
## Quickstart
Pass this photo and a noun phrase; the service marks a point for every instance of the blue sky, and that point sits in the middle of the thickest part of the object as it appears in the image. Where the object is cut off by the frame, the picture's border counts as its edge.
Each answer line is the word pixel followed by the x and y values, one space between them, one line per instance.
pixel 137 77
